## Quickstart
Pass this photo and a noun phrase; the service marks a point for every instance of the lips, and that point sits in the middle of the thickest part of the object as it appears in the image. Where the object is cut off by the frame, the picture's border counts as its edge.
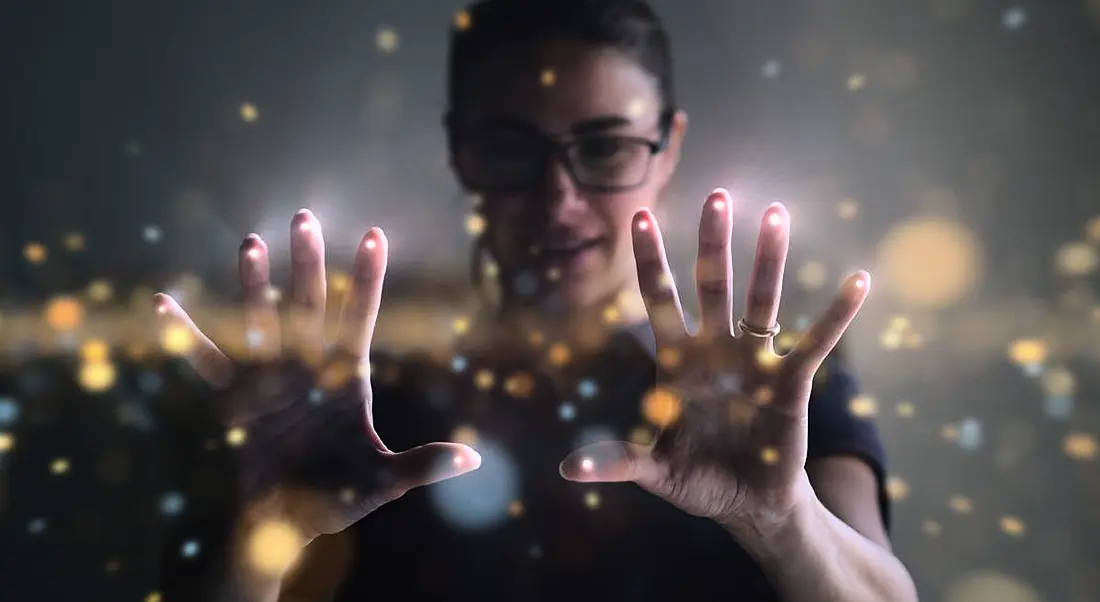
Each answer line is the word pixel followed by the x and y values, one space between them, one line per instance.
pixel 572 247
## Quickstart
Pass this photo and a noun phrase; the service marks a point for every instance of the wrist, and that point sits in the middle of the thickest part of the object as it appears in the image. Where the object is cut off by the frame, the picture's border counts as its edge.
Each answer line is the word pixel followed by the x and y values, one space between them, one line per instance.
pixel 770 530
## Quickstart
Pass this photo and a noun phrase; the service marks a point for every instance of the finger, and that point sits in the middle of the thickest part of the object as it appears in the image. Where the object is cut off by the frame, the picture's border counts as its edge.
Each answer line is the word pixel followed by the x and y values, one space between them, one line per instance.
pixel 180 333
pixel 611 462
pixel 306 315
pixel 714 265
pixel 360 312
pixel 662 301
pixel 432 463
pixel 820 339
pixel 261 321
pixel 766 282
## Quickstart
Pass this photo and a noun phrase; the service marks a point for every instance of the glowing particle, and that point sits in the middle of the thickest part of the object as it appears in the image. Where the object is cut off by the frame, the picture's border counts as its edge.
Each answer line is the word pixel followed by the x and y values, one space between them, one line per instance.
pixel 769 455
pixel 1092 228
pixel 336 375
pixel 462 20
pixel 190 548
pixel 7 442
pixel 856 82
pixel 906 410
pixel 460 325
pixel 548 77
pixel 961 504
pixel 100 291
pixel 152 234
pixel 969 434
pixel 771 69
pixel 1080 446
pixel 74 241
pixel 641 435
pixel 35 253
pixel 1027 352
pixel 113 565
pixel 249 113
pixel 766 360
pixel 847 209
pixel 1077 259
pixel 741 412
pixel 96 377
pixel 1013 526
pixel 930 262
pixel 519 385
pixel 1058 382
pixel 515 509
pixel 475 224
pixel 863 406
pixel 592 500
pixel 567 411
pixel 763 395
pixel 465 435
pixel 59 466
pixel 587 388
pixel 177 339
pixel 535 338
pixel 661 407
pixel 559 354
pixel 254 338
pixel 611 314
pixel 236 436
pixel 339 282
pixel 153 597
pixel 669 358
pixel 316 395
pixel 587 464
pixel 458 364
pixel 931 528
pixel 36 526
pixel 172 504
pixel 273 547
pixel 484 379
pixel 1014 18
pixel 812 275
pixel 897 489
pixel 94 350
pixel 64 313
pixel 386 40
pixel 9 411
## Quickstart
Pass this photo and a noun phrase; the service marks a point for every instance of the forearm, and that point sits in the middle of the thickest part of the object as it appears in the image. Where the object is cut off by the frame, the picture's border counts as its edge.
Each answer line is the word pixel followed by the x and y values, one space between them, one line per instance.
pixel 813 556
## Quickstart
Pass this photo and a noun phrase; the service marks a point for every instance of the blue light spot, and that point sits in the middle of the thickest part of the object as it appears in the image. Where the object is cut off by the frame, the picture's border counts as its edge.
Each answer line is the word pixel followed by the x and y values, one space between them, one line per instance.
pixel 9 411
pixel 587 388
pixel 316 396
pixel 172 504
pixel 150 383
pixel 567 411
pixel 970 434
pixel 190 549
pixel 1058 407
pixel 458 364
pixel 36 526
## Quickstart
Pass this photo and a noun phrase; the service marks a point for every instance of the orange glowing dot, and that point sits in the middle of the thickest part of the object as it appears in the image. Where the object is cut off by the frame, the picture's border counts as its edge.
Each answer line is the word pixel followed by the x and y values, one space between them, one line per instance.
pixel 1013 526
pixel 897 489
pixel 547 78
pixel 94 350
pixel 35 253
pixel 274 546
pixel 559 354
pixel 519 385
pixel 64 313
pixel 515 509
pixel 484 379
pixel 661 406
pixel 462 20
pixel 769 455
pixel 465 435
pixel 961 504
pixel 97 376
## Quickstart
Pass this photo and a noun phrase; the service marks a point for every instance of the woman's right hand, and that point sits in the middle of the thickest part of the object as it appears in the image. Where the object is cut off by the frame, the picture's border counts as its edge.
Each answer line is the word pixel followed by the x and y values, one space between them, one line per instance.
pixel 298 410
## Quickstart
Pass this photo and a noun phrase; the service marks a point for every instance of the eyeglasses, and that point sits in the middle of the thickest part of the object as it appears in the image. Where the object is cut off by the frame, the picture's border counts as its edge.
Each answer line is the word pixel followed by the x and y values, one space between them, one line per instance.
pixel 516 160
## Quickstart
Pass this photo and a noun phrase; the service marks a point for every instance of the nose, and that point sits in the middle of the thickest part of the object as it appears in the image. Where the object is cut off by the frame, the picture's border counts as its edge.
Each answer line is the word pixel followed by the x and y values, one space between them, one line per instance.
pixel 560 193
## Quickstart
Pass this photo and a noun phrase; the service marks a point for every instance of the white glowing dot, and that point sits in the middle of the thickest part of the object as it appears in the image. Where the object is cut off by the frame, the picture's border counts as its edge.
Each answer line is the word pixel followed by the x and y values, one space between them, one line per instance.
pixel 588 465
pixel 458 460
pixel 370 244
pixel 861 282
pixel 152 234
pixel 774 218
pixel 162 308
pixel 305 226
pixel 190 549
pixel 719 205
pixel 643 224
pixel 253 253
pixel 771 69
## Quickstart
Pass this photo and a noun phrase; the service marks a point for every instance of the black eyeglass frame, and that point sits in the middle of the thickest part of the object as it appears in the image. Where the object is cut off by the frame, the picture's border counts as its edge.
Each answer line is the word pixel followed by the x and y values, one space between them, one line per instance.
pixel 561 151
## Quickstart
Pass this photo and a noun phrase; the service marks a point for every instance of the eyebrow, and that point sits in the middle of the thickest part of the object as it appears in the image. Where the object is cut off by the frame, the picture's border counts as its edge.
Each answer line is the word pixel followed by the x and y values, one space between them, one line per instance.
pixel 588 126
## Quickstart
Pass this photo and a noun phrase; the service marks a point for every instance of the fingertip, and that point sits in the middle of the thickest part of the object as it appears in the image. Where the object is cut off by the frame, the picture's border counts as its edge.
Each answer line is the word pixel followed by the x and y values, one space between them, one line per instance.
pixel 162 303
pixel 776 215
pixel 643 219
pixel 304 220
pixel 861 281
pixel 374 239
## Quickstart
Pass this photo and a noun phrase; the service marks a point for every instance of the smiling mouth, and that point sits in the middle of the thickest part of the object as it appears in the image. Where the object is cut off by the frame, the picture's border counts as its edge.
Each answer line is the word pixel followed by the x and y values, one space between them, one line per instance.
pixel 570 249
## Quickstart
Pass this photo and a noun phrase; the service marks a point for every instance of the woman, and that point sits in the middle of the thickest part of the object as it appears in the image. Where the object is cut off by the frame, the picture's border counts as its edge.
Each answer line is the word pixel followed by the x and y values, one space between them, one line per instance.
pixel 562 119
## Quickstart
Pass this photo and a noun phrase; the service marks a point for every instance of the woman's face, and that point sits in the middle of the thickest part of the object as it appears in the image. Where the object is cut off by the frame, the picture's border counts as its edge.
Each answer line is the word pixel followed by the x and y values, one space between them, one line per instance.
pixel 557 141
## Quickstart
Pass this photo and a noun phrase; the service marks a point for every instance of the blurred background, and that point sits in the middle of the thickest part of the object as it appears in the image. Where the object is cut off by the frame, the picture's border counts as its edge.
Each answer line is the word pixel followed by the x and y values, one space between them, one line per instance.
pixel 952 147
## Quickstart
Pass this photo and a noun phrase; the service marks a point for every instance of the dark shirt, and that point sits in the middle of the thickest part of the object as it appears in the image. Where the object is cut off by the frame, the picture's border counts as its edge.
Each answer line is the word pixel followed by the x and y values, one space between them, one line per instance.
pixel 514 529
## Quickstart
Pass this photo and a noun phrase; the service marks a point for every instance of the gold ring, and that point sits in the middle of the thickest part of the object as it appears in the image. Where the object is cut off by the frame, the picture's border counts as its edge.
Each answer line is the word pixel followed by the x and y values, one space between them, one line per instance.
pixel 760 333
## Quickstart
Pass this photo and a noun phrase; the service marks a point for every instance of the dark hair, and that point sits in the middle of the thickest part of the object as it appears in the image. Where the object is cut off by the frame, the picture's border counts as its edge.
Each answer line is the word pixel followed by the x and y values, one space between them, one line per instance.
pixel 492 26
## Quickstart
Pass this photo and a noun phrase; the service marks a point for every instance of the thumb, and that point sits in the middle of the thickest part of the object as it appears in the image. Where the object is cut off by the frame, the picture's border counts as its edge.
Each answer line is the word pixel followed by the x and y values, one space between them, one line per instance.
pixel 432 463
pixel 610 461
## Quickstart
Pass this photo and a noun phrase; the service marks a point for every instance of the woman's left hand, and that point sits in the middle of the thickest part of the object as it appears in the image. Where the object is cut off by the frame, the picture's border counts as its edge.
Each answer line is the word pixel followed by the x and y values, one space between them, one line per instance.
pixel 733 414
